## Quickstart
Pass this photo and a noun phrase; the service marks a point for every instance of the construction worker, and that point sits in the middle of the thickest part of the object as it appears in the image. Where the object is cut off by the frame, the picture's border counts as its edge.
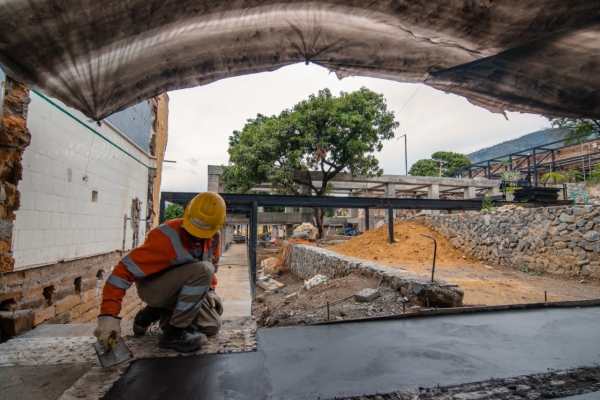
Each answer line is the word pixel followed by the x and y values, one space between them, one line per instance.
pixel 174 272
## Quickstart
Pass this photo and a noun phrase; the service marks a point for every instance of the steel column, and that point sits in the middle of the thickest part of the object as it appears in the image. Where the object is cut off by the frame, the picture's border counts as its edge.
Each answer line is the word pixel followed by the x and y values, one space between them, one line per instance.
pixel 391 223
pixel 161 212
pixel 535 170
pixel 367 222
pixel 253 237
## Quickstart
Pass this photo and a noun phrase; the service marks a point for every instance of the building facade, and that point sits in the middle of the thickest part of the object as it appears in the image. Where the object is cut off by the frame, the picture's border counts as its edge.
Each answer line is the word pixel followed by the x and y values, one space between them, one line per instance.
pixel 77 196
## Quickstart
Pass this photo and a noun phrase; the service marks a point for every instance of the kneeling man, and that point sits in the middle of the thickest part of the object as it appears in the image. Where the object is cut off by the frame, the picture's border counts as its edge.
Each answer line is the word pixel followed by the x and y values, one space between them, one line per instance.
pixel 174 272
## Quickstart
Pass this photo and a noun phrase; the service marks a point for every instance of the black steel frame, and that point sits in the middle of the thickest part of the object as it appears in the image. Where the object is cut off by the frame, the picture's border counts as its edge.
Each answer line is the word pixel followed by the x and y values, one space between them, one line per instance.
pixel 534 165
pixel 248 204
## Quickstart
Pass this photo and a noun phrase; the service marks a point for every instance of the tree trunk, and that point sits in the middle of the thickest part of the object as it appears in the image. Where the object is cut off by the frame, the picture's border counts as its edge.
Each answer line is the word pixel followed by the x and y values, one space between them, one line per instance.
pixel 319 216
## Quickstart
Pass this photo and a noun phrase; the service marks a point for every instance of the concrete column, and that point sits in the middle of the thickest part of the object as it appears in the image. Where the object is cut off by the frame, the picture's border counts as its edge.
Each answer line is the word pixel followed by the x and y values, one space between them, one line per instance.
pixel 495 191
pixel 213 183
pixel 390 190
pixel 353 211
pixel 305 211
pixel 289 231
pixel 369 193
pixel 433 192
pixel 289 210
pixel 469 192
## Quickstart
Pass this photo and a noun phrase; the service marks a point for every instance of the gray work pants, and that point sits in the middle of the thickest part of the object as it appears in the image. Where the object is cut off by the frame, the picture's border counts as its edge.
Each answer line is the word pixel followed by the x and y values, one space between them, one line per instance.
pixel 181 291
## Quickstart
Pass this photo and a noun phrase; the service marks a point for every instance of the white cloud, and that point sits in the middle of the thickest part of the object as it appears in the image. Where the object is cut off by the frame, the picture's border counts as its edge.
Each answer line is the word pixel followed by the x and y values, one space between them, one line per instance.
pixel 202 119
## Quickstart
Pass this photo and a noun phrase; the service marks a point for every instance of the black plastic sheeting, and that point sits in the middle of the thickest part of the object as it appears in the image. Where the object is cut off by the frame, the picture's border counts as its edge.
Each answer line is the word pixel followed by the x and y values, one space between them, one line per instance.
pixel 103 56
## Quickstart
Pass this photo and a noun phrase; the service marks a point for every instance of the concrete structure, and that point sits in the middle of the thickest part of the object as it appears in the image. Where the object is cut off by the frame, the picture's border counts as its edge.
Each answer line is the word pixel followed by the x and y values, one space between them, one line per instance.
pixel 78 196
pixel 376 357
pixel 344 184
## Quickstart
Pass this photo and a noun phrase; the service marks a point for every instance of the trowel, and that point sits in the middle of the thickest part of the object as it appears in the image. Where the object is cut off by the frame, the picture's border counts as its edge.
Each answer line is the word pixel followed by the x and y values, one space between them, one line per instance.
pixel 116 353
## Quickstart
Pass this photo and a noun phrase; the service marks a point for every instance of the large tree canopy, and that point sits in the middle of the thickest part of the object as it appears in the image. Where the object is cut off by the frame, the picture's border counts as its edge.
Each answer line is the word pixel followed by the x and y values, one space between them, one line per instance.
pixel 441 163
pixel 325 133
pixel 580 129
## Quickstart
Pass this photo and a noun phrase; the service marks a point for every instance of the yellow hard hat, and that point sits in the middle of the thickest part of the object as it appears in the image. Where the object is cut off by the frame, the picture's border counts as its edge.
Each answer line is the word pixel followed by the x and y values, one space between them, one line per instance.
pixel 204 215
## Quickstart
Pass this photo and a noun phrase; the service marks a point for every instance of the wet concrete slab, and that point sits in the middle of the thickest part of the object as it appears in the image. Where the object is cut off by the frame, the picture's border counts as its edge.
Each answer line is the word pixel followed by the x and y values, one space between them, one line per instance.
pixel 209 377
pixel 377 357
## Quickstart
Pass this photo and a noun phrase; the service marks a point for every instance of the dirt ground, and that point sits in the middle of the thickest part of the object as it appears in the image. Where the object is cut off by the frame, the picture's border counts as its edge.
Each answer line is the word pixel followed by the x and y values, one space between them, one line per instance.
pixel 311 306
pixel 483 285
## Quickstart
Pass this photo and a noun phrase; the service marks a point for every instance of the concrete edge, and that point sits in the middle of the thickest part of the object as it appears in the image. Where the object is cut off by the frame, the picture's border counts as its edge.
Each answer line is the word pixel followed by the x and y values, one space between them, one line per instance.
pixel 472 310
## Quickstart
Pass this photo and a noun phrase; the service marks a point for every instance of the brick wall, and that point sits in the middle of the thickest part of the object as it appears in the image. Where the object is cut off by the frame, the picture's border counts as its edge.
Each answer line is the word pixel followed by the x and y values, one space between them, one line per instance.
pixel 14 138
pixel 69 292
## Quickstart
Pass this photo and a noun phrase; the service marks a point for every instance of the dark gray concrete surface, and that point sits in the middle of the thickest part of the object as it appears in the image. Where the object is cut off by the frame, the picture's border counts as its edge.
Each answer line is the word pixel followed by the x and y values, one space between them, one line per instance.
pixel 377 357
pixel 40 381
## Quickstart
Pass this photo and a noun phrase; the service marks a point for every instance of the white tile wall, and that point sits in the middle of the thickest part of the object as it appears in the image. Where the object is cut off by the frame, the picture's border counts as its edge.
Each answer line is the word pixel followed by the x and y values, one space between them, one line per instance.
pixel 57 220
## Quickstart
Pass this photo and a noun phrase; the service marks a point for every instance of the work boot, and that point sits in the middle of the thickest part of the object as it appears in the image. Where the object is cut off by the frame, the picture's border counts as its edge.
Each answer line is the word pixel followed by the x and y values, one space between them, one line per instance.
pixel 181 339
pixel 144 318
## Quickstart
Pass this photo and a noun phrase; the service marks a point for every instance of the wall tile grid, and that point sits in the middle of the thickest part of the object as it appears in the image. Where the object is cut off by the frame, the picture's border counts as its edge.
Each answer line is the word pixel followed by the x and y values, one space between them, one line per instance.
pixel 57 219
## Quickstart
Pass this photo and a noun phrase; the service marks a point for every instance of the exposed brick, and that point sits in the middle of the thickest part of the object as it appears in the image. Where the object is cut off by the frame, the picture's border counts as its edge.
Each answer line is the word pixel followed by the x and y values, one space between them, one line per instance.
pixel 90 315
pixel 63 293
pixel 13 294
pixel 6 264
pixel 43 315
pixel 67 304
pixel 32 304
pixel 88 284
pixel 15 323
pixel 89 295
pixel 63 318
pixel 95 302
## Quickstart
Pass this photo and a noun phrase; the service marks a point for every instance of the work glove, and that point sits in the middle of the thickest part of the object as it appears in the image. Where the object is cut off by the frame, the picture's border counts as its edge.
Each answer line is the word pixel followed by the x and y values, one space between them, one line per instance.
pixel 107 324
pixel 215 302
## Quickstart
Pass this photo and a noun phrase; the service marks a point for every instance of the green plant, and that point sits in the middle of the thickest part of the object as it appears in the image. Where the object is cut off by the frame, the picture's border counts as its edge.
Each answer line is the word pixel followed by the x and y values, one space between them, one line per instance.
pixel 525 269
pixel 555 177
pixel 487 204
pixel 594 176
pixel 572 176
pixel 173 211
pixel 510 176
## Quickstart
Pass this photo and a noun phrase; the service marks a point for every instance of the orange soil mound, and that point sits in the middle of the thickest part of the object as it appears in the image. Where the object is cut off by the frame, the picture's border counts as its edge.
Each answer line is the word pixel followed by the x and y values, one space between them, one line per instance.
pixel 410 246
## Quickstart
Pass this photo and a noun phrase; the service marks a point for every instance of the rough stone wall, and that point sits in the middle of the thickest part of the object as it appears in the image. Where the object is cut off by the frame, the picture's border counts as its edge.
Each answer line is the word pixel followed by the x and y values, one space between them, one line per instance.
pixel 308 261
pixel 558 240
pixel 69 292
pixel 592 191
pixel 14 138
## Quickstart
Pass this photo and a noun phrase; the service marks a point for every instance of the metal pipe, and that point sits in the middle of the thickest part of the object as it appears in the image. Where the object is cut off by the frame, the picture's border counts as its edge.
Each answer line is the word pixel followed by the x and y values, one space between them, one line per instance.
pixel 391 223
pixel 434 253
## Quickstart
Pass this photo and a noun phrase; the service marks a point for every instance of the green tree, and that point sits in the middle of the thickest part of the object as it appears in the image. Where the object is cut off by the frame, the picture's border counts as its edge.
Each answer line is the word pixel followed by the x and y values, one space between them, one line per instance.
pixel 324 133
pixel 441 163
pixel 577 126
pixel 173 211
pixel 425 167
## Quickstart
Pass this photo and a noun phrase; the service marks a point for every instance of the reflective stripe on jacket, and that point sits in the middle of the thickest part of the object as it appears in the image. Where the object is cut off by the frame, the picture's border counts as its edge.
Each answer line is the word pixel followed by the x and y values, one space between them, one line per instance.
pixel 165 247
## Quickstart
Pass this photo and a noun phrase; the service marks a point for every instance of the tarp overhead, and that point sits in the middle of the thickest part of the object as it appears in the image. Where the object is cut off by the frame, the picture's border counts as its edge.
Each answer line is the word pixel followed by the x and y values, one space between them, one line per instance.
pixel 102 56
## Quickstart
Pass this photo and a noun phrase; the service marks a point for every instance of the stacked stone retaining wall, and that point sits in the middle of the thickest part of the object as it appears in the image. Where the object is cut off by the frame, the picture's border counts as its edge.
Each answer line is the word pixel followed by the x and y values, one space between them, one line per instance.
pixel 308 261
pixel 69 292
pixel 558 240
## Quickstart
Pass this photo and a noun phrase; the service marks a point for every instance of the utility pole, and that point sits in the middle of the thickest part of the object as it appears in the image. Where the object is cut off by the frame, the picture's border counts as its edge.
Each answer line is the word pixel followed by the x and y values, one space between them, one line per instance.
pixel 405 154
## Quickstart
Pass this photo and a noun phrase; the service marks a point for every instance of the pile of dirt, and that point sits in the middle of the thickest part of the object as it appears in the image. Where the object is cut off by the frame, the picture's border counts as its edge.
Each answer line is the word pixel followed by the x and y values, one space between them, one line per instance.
pixel 408 246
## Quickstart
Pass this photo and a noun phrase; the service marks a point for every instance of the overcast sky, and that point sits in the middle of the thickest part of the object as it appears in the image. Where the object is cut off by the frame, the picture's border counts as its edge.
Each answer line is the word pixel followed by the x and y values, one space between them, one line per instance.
pixel 202 119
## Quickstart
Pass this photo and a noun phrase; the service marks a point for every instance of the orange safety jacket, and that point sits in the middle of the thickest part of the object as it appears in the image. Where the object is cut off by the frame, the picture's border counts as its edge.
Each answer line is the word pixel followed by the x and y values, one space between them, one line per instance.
pixel 165 247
